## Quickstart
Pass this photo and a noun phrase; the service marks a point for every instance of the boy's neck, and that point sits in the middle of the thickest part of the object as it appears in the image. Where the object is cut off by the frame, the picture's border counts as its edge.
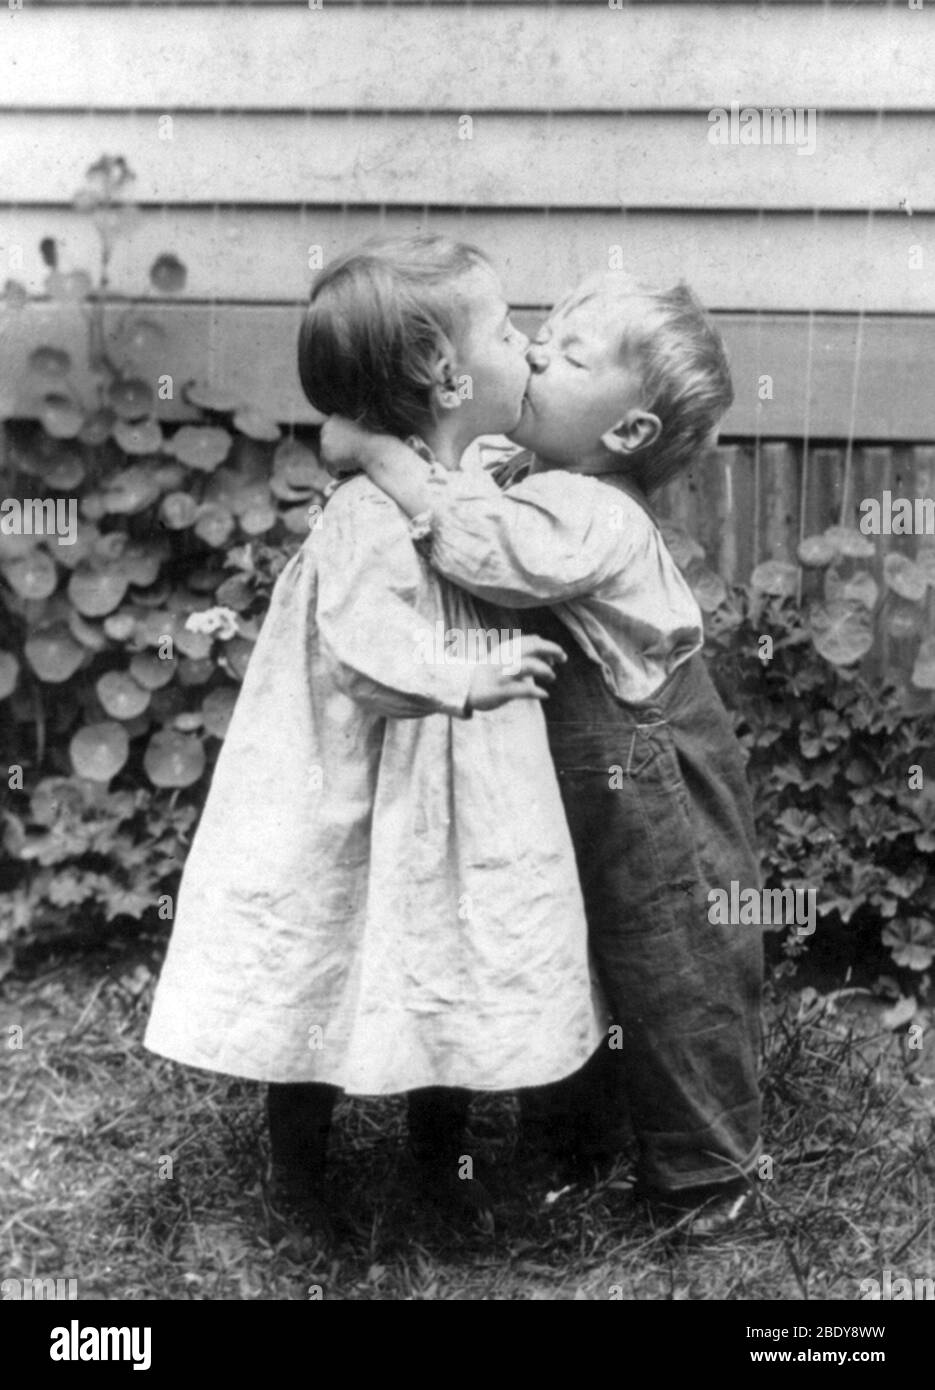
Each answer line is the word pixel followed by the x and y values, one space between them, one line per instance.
pixel 605 466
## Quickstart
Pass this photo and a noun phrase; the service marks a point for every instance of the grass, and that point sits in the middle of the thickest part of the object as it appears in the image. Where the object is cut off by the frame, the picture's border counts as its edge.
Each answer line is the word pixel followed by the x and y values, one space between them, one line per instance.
pixel 87 1117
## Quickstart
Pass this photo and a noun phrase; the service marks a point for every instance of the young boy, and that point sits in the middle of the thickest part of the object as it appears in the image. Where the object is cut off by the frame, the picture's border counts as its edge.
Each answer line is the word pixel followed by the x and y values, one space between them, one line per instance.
pixel 626 391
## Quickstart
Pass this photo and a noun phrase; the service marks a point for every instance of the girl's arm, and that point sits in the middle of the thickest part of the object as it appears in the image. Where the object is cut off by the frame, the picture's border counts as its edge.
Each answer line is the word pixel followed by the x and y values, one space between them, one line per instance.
pixel 552 537
pixel 389 658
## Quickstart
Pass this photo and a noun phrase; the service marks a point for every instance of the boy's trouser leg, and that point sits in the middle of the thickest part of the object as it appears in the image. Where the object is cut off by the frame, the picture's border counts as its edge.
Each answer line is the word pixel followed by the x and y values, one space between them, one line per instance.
pixel 299 1125
pixel 685 991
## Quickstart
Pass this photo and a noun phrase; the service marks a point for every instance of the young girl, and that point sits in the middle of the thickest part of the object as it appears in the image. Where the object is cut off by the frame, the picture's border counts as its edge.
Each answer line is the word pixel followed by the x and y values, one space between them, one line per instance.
pixel 381 895
pixel 626 392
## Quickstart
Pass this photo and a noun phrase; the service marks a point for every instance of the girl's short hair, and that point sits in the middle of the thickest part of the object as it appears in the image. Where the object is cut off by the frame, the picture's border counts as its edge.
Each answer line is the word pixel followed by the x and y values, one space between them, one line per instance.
pixel 684 368
pixel 376 321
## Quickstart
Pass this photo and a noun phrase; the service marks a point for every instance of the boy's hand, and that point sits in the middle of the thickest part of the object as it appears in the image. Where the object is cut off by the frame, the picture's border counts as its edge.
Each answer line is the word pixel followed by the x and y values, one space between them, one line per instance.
pixel 346 447
pixel 516 671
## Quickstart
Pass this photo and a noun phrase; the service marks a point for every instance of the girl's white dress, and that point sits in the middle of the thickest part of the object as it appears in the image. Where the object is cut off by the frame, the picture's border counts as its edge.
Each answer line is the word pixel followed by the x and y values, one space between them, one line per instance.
pixel 381 893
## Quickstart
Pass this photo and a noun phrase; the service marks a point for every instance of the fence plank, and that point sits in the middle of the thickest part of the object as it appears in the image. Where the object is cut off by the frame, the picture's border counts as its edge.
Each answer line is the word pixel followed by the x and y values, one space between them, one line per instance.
pixel 252 349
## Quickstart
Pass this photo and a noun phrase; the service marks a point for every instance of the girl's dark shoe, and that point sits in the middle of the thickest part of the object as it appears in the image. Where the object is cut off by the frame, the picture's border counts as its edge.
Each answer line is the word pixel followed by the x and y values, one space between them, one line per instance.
pixel 297 1207
pixel 463 1201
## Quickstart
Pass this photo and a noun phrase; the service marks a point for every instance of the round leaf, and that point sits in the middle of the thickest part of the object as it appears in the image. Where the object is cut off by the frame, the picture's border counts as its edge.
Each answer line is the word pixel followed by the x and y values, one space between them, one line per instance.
pixel 903 619
pixel 32 575
pixel 841 632
pixel 201 446
pixel 257 520
pixel 99 751
pixel 206 396
pixel 178 510
pixel 131 398
pixel 173 759
pixel 54 654
pixel 138 437
pixel 96 592
pixel 860 588
pixel 120 626
pixel 776 577
pixel 141 563
pixel 195 671
pixel 902 576
pixel 709 589
pixel 60 417
pixel 214 525
pixel 150 671
pixel 131 491
pixel 168 274
pixel 140 338
pixel 120 695
pixel 816 551
pixel 849 543
pixel 256 425
pixel 64 473
pixel 88 634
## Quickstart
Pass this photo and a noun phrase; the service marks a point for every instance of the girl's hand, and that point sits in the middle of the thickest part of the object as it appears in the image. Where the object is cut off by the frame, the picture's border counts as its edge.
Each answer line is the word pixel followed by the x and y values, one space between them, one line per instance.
pixel 516 671
pixel 346 447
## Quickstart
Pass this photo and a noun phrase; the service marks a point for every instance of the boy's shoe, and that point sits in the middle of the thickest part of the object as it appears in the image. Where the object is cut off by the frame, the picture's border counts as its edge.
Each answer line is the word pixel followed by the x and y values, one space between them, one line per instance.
pixel 463 1201
pixel 702 1213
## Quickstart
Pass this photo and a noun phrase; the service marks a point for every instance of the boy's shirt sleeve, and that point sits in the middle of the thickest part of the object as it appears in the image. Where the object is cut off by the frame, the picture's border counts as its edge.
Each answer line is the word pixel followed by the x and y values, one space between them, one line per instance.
pixel 549 538
pixel 369 578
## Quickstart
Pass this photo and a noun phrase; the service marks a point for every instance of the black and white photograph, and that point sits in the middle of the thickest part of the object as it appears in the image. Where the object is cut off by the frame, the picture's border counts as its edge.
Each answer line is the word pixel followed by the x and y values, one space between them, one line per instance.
pixel 467 664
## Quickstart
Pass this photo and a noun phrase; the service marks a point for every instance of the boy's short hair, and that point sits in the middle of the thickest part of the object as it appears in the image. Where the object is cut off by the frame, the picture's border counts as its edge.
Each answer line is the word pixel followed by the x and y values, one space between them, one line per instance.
pixel 684 367
pixel 376 320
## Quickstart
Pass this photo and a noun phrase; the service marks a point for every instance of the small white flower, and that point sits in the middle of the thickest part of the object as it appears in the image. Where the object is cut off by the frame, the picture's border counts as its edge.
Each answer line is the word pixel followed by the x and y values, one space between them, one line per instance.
pixel 221 622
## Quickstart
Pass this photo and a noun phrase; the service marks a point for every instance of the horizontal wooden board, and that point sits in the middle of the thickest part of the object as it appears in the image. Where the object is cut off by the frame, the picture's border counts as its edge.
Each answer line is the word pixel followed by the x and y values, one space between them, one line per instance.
pixel 833 262
pixel 831 377
pixel 581 161
pixel 373 5
pixel 536 56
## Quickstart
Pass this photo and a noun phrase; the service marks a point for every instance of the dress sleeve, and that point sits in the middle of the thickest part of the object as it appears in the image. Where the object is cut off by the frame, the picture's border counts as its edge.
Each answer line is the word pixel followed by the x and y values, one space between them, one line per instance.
pixel 552 537
pixel 369 578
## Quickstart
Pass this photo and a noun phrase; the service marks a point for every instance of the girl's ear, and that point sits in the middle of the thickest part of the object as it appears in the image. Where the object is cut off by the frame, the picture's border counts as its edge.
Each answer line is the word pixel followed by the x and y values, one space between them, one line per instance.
pixel 634 431
pixel 444 389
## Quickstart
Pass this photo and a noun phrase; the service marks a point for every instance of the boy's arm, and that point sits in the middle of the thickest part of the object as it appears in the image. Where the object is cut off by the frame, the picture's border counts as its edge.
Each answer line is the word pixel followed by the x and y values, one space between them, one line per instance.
pixel 548 539
pixel 389 658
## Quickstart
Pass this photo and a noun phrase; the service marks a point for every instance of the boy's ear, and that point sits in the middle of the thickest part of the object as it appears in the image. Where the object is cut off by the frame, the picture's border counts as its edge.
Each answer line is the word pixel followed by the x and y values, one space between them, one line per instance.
pixel 634 431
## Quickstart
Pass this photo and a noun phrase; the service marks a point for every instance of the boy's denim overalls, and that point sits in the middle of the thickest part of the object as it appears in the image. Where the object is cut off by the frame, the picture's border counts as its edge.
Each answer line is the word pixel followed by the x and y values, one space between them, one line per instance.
pixel 660 812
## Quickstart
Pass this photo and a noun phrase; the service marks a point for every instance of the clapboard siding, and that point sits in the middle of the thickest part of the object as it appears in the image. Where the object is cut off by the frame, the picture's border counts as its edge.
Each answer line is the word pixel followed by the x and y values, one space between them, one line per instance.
pixel 523 160
pixel 294 127
pixel 831 262
pixel 535 57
